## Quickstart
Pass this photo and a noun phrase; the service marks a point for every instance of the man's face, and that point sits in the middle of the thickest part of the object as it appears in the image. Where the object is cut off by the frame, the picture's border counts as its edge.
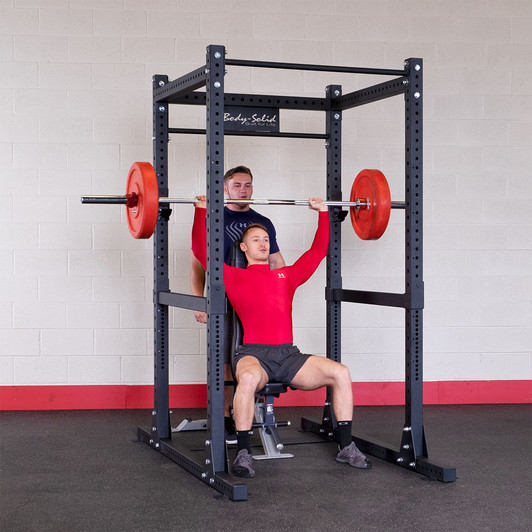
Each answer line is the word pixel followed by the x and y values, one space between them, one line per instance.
pixel 256 246
pixel 239 187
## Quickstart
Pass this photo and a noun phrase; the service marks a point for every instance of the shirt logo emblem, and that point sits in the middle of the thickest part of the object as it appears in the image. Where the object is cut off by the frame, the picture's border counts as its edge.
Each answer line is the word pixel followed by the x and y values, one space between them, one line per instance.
pixel 235 230
pixel 281 275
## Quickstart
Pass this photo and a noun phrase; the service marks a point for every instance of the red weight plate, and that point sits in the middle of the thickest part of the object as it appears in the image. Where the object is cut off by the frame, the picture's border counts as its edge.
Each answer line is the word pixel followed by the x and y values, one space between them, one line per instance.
pixel 370 221
pixel 142 218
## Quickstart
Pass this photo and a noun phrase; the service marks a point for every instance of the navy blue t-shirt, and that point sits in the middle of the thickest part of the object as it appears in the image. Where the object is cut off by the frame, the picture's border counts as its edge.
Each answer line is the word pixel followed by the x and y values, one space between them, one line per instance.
pixel 236 221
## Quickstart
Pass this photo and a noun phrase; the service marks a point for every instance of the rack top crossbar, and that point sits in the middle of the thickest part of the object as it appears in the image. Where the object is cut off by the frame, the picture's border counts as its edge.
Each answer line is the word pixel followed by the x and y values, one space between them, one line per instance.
pixel 319 68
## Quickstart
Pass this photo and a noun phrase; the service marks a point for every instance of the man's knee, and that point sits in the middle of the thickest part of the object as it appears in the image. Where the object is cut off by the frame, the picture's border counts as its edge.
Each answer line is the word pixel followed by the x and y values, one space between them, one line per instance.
pixel 342 374
pixel 248 378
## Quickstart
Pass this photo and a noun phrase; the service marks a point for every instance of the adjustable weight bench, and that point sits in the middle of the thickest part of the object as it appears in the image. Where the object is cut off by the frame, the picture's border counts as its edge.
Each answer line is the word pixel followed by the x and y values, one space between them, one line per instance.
pixel 265 422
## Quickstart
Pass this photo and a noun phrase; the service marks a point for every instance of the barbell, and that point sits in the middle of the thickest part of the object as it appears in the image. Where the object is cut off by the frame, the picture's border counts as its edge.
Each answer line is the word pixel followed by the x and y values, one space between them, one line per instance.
pixel 370 203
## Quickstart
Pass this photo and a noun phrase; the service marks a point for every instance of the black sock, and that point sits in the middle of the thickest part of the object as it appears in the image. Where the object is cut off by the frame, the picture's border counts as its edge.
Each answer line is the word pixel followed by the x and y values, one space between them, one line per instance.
pixel 344 431
pixel 243 438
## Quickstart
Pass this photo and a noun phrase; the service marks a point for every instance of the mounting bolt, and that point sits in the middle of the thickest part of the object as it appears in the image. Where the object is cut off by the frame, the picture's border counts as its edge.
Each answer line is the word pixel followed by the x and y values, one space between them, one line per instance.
pixel 204 475
pixel 154 429
pixel 416 95
pixel 417 67
pixel 162 108
pixel 399 460
pixel 207 442
pixel 325 419
pixel 157 445
pixel 337 92
pixel 161 83
pixel 405 82
pixel 217 84
pixel 211 481
pixel 407 429
pixel 412 464
pixel 151 441
pixel 207 461
pixel 336 116
pixel 406 446
pixel 217 55
pixel 330 434
pixel 153 413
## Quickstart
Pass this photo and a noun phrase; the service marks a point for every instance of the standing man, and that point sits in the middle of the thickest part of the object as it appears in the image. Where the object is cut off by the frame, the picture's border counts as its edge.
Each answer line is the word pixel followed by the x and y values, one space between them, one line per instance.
pixel 263 299
pixel 238 184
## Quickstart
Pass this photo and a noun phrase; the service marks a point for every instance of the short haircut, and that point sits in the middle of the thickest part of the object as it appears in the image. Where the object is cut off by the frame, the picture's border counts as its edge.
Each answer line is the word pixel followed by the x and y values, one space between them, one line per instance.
pixel 253 226
pixel 237 170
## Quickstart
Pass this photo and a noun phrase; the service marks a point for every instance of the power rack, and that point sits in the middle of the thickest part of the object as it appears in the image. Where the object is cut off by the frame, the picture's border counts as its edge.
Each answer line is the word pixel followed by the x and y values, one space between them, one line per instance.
pixel 214 469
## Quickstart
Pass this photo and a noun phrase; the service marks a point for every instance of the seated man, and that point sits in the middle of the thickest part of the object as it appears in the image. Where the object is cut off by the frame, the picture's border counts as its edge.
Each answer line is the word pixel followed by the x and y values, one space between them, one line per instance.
pixel 262 298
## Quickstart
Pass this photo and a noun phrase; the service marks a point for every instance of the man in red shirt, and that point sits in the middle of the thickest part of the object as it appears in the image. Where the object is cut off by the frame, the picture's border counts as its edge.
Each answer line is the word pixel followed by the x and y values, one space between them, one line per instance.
pixel 262 298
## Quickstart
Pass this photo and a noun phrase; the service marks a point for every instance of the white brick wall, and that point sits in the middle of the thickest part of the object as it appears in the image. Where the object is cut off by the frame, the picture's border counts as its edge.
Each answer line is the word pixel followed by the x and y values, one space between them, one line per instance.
pixel 75 112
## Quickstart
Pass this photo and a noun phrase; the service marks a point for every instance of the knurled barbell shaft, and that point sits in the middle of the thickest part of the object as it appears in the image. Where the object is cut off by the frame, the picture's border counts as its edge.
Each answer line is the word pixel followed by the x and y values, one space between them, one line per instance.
pixel 123 200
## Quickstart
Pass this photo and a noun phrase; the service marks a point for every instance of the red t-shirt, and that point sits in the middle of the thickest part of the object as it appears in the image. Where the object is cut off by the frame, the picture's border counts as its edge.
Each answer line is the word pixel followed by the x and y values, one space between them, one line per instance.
pixel 261 297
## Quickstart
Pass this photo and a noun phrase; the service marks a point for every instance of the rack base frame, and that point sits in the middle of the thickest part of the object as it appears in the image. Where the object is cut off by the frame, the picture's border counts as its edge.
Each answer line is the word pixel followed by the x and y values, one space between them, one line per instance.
pixel 404 457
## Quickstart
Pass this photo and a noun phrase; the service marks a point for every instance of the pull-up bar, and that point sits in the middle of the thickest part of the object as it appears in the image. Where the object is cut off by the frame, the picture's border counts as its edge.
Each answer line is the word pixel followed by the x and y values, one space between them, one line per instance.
pixel 317 68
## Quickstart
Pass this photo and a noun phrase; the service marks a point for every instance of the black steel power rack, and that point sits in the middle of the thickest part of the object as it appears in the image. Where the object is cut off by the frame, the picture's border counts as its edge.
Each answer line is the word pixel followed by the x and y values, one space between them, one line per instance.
pixel 408 81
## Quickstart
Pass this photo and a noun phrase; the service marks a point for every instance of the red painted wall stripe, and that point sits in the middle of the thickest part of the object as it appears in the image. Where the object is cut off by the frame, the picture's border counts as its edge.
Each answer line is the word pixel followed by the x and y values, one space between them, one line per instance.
pixel 194 395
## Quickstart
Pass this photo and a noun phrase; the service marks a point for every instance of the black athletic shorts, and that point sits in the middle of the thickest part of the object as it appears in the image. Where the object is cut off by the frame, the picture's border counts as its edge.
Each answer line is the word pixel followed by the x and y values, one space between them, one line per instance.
pixel 280 362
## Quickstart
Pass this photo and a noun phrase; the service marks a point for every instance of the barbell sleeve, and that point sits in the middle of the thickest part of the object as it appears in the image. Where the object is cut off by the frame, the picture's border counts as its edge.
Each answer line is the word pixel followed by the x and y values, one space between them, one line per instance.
pixel 107 200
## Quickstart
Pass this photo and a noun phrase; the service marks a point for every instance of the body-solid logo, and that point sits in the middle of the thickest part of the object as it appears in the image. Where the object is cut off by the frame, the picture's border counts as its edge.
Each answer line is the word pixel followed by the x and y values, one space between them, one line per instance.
pixel 261 119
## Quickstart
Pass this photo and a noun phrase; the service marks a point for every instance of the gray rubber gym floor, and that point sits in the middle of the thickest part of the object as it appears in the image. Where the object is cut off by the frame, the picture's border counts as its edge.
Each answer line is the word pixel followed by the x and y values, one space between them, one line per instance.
pixel 85 470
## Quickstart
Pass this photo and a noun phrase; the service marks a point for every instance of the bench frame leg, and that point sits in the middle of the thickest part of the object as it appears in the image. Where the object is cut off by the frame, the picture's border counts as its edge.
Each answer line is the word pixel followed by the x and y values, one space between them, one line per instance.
pixel 269 435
